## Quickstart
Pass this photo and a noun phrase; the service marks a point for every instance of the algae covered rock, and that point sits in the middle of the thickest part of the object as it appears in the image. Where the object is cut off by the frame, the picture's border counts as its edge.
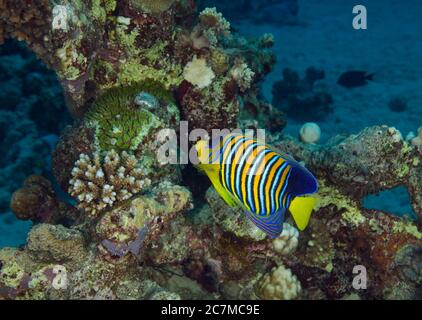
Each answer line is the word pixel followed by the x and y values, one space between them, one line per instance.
pixel 133 227
pixel 55 243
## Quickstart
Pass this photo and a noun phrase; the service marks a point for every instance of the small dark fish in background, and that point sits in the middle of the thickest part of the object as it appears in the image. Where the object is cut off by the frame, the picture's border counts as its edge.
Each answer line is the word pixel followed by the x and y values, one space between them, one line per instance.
pixel 355 78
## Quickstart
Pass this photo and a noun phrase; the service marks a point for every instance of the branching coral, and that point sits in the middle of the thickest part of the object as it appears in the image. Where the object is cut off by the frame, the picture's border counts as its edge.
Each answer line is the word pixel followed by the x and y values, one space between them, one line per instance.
pixel 242 74
pixel 99 182
pixel 215 24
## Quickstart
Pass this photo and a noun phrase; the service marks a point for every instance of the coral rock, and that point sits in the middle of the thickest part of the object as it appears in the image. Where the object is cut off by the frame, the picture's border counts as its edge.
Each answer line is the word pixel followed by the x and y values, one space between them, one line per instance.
pixel 37 201
pixel 287 242
pixel 49 243
pixel 280 284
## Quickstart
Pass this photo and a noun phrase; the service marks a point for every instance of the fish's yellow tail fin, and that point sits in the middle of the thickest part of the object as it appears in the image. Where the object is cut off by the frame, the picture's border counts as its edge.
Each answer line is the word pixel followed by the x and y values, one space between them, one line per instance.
pixel 301 209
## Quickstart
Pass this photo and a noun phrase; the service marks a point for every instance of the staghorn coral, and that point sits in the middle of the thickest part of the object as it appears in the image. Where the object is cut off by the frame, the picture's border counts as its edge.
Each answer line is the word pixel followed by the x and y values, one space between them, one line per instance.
pixel 98 182
pixel 74 141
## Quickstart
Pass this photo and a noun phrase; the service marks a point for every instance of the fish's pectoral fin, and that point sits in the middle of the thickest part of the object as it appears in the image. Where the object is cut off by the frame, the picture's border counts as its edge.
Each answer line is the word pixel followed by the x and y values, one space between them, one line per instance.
pixel 301 209
pixel 272 225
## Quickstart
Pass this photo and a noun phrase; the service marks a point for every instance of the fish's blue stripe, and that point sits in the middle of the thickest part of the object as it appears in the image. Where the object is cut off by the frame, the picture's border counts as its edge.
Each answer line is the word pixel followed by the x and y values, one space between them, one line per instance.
pixel 263 183
pixel 288 201
pixel 240 167
pixel 272 226
pixel 274 186
pixel 228 162
pixel 286 183
pixel 251 174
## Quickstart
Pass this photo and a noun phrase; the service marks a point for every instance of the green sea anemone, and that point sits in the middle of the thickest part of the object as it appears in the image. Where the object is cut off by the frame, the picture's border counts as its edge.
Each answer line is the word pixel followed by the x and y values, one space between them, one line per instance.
pixel 121 123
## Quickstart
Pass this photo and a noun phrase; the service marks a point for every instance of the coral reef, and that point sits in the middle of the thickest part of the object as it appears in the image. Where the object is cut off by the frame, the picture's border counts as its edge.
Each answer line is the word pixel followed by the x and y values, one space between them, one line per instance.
pixel 24 153
pixel 37 201
pixel 214 252
pixel 26 135
pixel 299 98
pixel 134 230
pixel 417 140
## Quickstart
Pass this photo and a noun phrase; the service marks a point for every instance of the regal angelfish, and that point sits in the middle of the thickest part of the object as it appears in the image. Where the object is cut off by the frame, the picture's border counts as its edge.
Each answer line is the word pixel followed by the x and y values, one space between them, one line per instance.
pixel 261 180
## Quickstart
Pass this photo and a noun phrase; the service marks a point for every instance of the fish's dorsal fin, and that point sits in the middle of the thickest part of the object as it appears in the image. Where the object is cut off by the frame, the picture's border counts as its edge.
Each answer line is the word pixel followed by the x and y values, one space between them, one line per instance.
pixel 301 209
pixel 283 154
pixel 272 225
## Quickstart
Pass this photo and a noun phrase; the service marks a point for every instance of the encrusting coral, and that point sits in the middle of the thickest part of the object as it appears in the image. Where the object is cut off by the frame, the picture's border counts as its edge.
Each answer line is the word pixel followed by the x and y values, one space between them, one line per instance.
pixel 135 231
pixel 102 181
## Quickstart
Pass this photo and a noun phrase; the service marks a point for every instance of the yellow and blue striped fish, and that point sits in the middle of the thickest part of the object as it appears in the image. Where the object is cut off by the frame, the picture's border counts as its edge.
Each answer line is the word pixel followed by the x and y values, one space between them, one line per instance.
pixel 265 182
